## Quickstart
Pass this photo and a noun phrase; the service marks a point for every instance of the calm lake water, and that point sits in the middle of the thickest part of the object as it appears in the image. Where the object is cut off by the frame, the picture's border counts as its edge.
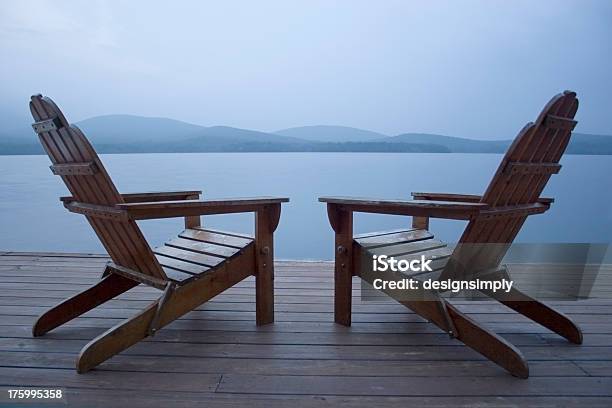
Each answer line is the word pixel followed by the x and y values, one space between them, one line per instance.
pixel 33 219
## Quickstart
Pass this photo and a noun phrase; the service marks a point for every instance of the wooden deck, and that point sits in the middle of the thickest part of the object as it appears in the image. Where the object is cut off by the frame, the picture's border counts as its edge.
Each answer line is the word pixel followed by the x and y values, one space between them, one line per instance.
pixel 216 356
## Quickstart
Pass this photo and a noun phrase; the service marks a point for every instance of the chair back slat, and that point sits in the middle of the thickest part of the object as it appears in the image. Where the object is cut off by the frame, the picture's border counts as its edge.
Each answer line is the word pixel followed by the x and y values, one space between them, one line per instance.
pixel 77 163
pixel 520 179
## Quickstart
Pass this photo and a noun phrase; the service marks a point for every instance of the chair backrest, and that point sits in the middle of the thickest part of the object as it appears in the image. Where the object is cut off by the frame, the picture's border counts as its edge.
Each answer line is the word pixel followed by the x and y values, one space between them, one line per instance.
pixel 79 166
pixel 520 178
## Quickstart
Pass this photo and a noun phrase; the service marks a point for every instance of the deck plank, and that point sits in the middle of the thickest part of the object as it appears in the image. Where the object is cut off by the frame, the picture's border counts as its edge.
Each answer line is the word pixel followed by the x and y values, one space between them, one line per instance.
pixel 218 357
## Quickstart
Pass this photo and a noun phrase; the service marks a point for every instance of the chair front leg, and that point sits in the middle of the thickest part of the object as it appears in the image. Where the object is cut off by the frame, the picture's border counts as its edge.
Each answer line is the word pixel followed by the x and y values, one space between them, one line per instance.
pixel 341 221
pixel 266 221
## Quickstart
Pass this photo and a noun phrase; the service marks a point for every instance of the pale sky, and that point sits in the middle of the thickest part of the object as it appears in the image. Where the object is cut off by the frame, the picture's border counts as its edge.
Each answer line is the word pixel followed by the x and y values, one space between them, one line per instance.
pixel 464 68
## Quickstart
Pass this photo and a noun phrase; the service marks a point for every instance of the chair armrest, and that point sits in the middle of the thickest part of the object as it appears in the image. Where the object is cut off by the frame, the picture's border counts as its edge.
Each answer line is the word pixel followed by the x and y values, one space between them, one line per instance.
pixel 152 196
pixel 466 198
pixel 170 209
pixel 436 209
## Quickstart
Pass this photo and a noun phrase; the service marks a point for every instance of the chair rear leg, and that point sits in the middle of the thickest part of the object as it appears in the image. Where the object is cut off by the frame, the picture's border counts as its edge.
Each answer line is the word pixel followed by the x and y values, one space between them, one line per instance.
pixel 116 339
pixel 131 331
pixel 540 313
pixel 473 335
pixel 181 300
pixel 489 344
pixel 109 286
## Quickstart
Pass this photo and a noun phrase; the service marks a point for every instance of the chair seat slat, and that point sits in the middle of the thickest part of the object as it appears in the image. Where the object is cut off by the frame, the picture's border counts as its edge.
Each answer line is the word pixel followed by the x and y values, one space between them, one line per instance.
pixel 215 238
pixel 394 238
pixel 203 247
pixel 188 256
pixel 186 267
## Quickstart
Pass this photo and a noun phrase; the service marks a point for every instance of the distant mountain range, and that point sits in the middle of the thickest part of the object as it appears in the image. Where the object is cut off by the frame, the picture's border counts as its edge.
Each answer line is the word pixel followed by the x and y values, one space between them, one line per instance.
pixel 136 134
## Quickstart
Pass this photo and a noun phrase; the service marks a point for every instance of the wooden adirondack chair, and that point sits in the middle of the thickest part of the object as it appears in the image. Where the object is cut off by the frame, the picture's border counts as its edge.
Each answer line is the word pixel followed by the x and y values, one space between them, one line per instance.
pixel 189 270
pixel 494 221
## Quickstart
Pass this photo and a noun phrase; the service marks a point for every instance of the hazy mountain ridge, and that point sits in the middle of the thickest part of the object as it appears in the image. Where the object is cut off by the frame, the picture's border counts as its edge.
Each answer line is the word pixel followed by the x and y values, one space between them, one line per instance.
pixel 455 144
pixel 335 134
pixel 580 143
pixel 113 129
pixel 110 134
